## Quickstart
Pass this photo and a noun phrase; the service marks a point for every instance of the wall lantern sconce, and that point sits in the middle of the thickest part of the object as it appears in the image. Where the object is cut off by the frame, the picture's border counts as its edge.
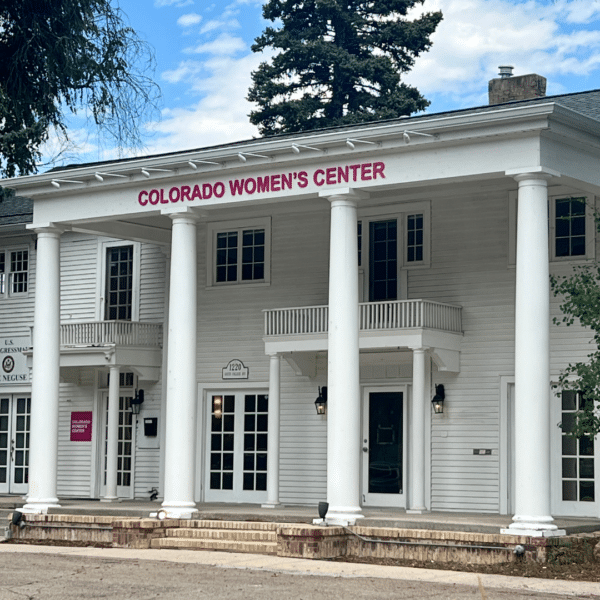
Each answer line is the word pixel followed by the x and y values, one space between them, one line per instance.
pixel 321 401
pixel 438 399
pixel 136 402
pixel 218 406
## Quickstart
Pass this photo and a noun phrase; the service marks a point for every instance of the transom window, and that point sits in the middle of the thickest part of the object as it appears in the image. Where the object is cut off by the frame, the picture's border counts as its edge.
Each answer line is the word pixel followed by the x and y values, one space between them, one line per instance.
pixel 240 254
pixel 14 272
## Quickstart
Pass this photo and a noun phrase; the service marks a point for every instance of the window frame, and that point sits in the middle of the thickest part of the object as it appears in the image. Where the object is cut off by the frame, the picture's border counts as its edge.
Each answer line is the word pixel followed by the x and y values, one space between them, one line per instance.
pixel 103 249
pixel 239 227
pixel 401 214
pixel 8 272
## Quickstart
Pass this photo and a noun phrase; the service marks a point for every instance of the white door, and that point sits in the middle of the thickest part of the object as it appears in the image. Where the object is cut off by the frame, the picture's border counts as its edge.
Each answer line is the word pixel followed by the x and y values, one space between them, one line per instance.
pixel 15 416
pixel 384 447
pixel 576 464
pixel 126 445
pixel 237 438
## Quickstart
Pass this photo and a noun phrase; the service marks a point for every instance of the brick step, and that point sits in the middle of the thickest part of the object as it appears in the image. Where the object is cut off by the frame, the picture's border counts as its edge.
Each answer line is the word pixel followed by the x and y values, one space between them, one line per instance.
pixel 241 535
pixel 211 544
pixel 243 525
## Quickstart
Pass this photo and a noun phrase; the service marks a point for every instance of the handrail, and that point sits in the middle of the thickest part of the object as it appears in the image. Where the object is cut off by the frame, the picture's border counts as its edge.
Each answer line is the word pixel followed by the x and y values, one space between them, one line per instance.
pixel 373 316
pixel 100 333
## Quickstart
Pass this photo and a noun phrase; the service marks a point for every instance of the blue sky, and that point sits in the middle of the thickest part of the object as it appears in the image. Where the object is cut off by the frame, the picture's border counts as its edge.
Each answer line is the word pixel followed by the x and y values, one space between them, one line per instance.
pixel 204 61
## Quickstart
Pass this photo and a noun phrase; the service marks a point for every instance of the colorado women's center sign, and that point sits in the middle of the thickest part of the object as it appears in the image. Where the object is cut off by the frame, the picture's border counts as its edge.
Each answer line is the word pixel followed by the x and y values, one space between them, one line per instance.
pixel 277 182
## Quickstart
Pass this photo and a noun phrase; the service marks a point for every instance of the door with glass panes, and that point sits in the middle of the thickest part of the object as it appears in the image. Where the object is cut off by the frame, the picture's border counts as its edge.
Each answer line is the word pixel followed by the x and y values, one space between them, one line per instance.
pixel 15 416
pixel 126 445
pixel 237 438
pixel 576 466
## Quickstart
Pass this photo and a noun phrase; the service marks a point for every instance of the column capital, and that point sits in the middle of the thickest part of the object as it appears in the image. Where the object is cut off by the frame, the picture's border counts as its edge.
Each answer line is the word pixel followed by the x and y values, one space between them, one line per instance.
pixel 48 229
pixel 182 215
pixel 539 173
pixel 346 193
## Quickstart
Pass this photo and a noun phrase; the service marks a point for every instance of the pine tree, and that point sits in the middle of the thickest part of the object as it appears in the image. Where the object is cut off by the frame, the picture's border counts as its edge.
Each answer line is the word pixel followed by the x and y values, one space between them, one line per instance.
pixel 338 62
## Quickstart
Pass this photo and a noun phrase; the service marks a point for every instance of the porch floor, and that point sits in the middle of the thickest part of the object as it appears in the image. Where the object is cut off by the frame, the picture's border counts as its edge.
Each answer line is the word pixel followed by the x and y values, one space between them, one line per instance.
pixel 373 517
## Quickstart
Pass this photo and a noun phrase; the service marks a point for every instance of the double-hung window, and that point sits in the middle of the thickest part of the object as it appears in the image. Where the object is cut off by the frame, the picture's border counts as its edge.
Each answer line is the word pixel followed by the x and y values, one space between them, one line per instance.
pixel 570 225
pixel 240 252
pixel 14 272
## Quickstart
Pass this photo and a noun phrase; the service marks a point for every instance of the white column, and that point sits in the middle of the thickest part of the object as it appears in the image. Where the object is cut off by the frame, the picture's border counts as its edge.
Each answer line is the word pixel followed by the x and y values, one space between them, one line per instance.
pixel 112 436
pixel 180 437
pixel 343 403
pixel 532 362
pixel 418 434
pixel 273 427
pixel 43 453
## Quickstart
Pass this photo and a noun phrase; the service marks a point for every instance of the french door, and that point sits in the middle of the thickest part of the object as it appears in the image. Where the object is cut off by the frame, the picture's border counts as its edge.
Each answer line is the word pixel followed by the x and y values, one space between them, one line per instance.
pixel 384 447
pixel 126 446
pixel 237 438
pixel 15 417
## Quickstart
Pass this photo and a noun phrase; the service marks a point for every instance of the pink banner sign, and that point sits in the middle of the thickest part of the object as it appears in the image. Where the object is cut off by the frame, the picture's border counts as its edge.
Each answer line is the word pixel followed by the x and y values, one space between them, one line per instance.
pixel 81 426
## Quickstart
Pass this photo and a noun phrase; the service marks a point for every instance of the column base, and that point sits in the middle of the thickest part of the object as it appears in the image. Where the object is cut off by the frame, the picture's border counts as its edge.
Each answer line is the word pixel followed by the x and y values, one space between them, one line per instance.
pixel 177 510
pixel 110 499
pixel 533 527
pixel 39 506
pixel 270 505
pixel 416 511
pixel 342 516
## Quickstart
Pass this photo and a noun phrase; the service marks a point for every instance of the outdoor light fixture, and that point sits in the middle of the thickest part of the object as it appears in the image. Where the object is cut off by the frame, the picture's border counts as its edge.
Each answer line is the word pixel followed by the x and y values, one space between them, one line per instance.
pixel 321 401
pixel 218 406
pixel 136 402
pixel 438 399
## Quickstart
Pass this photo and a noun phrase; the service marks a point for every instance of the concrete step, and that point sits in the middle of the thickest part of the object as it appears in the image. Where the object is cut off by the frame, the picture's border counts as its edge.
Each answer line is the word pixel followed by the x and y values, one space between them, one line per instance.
pixel 216 544
pixel 241 535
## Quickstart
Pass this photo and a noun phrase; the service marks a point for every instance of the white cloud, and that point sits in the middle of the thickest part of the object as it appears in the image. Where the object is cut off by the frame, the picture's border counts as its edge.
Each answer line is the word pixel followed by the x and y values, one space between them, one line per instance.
pixel 220 116
pixel 476 36
pixel 189 20
pixel 225 44
pixel 219 24
pixel 178 3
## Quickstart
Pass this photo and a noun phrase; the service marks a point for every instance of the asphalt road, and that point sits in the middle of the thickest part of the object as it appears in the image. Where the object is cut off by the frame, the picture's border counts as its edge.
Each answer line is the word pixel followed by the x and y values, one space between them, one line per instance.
pixel 39 573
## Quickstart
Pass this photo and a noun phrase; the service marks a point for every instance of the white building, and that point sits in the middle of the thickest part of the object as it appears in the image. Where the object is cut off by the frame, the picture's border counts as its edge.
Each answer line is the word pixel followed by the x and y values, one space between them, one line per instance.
pixel 229 283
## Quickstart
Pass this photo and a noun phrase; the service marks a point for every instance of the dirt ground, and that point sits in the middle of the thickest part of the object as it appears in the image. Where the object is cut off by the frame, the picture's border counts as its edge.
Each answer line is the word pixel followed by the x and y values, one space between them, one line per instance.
pixel 558 568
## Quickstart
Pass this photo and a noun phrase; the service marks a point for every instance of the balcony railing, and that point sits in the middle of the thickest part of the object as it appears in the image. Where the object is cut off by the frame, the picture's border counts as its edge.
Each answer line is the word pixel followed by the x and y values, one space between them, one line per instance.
pixel 373 316
pixel 101 333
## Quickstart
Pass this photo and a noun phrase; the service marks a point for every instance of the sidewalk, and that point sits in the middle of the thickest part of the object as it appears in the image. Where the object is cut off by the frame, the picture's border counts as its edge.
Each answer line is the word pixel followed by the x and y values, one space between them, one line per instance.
pixel 299 566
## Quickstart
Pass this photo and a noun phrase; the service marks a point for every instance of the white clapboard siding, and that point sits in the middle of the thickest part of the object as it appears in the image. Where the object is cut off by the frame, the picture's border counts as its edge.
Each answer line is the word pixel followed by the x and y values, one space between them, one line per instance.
pixel 78 277
pixel 16 312
pixel 74 458
pixel 152 284
pixel 230 325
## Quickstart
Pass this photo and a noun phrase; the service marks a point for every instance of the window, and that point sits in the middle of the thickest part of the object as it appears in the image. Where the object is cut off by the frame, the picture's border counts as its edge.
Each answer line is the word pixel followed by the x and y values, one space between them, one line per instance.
pixel 569 227
pixel 119 283
pixel 240 254
pixel 14 272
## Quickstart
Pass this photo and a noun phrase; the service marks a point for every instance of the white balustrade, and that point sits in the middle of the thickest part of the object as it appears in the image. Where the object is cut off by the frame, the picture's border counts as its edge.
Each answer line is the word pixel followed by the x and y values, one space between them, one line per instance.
pixel 373 316
pixel 100 333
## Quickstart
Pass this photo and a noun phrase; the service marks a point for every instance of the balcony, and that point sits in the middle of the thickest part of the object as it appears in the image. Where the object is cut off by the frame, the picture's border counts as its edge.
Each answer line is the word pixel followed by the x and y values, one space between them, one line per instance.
pixel 127 344
pixel 102 333
pixel 382 325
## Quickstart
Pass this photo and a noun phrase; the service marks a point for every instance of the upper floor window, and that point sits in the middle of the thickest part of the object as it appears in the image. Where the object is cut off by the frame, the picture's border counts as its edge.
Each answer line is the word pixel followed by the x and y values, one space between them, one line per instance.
pixel 239 253
pixel 119 283
pixel 14 272
pixel 569 227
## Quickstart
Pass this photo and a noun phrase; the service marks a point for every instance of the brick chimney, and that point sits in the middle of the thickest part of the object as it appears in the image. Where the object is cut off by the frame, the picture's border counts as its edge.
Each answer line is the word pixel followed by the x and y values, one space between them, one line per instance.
pixel 507 88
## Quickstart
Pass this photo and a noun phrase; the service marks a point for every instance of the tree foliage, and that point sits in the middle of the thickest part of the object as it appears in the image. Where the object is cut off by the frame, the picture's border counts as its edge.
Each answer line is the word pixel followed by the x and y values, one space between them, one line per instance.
pixel 60 56
pixel 580 295
pixel 338 62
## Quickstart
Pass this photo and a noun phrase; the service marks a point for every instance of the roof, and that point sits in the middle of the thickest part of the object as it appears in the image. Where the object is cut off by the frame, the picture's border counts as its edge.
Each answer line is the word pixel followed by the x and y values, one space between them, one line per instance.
pixel 586 103
pixel 15 210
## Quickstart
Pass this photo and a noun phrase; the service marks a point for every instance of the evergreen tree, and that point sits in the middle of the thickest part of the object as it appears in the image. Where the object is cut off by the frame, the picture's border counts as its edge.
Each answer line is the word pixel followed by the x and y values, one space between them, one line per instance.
pixel 338 62
pixel 58 56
